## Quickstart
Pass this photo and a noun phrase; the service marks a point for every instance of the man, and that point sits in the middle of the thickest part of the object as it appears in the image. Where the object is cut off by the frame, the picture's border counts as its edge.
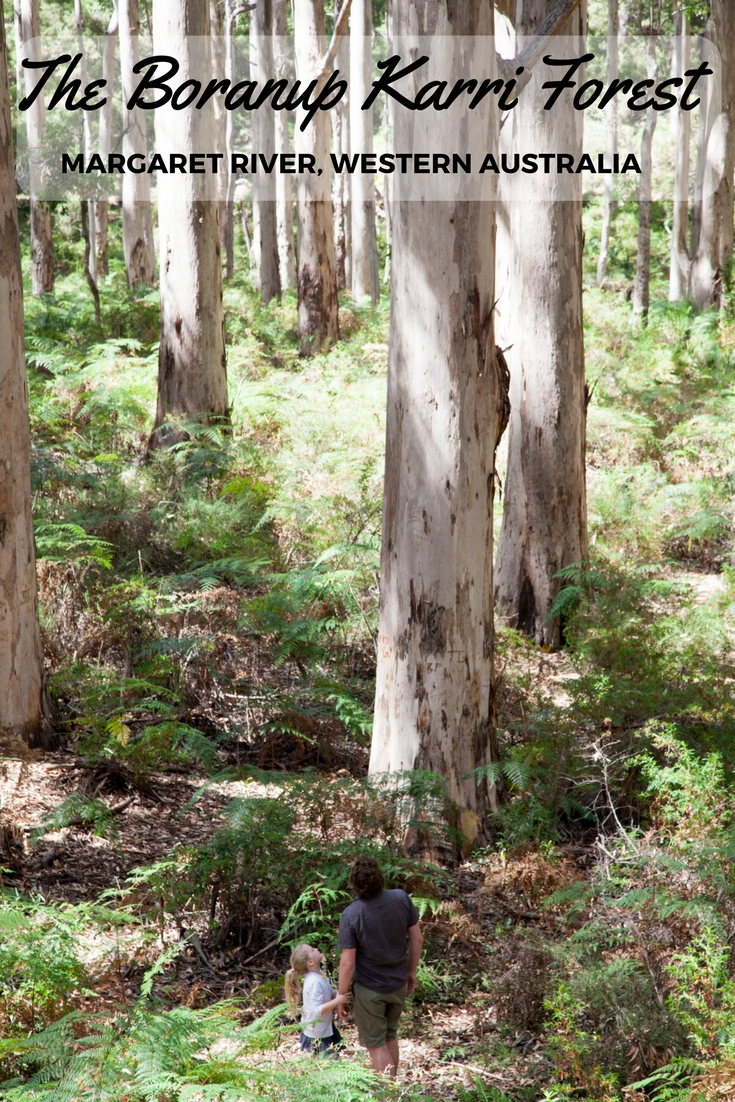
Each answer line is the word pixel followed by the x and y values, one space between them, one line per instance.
pixel 373 932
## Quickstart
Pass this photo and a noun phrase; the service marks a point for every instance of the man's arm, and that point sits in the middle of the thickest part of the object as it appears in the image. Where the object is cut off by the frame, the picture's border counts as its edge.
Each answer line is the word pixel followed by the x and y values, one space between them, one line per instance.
pixel 346 972
pixel 415 941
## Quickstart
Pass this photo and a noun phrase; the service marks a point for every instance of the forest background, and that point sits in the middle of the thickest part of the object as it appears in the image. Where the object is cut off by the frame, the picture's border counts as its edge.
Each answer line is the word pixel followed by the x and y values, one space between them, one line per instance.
pixel 184 802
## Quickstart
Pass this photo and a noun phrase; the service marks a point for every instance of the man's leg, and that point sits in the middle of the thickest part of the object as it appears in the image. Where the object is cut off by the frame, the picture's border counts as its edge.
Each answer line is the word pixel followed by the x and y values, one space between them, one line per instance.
pixel 393 1010
pixel 385 1058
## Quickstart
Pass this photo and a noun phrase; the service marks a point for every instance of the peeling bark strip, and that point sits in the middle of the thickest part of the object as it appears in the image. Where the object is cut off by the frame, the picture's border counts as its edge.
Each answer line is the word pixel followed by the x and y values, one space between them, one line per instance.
pixel 192 376
pixel 540 326
pixel 21 660
pixel 434 694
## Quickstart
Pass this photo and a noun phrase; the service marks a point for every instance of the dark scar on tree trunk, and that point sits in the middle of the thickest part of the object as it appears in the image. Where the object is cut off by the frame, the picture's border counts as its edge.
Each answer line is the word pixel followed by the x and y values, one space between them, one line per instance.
pixel 430 618
pixel 527 608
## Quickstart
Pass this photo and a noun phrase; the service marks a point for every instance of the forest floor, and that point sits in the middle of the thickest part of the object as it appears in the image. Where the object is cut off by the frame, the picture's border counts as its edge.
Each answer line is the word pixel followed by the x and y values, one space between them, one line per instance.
pixel 446 1043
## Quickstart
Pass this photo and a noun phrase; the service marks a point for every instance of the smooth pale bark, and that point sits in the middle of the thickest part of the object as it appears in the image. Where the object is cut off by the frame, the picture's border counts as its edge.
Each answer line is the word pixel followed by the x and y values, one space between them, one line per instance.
pixel 316 281
pixel 192 376
pixel 434 706
pixel 705 117
pixel 265 234
pixel 365 274
pixel 387 192
pixel 21 660
pixel 681 124
pixel 642 282
pixel 90 268
pixel 219 72
pixel 27 28
pixel 284 197
pixel 108 73
pixel 227 231
pixel 545 512
pixel 611 138
pixel 137 219
pixel 342 187
pixel 714 250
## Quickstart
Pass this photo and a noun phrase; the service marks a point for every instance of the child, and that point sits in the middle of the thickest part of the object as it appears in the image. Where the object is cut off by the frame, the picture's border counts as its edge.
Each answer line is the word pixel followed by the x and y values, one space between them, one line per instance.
pixel 319 999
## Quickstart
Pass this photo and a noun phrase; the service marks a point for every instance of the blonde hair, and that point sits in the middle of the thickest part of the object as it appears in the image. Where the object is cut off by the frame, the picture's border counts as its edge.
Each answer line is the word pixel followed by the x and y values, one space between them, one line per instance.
pixel 299 961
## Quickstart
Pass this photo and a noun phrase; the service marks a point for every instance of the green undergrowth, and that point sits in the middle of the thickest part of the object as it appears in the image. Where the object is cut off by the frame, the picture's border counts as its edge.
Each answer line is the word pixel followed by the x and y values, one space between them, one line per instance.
pixel 216 603
pixel 276 513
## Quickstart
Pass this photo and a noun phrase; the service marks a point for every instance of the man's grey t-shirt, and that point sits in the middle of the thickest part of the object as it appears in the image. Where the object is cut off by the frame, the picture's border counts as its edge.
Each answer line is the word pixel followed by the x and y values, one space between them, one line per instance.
pixel 377 929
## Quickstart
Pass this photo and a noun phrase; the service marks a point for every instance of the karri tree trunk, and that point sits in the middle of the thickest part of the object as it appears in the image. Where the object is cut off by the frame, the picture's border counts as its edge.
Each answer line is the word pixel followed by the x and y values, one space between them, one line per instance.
pixel 284 196
pixel 340 116
pixel 90 229
pixel 642 282
pixel 714 250
pixel 192 375
pixel 227 230
pixel 103 207
pixel 21 660
pixel 27 28
pixel 365 274
pixel 317 285
pixel 681 123
pixel 137 219
pixel 219 72
pixel 434 707
pixel 265 232
pixel 611 138
pixel 545 513
pixel 704 117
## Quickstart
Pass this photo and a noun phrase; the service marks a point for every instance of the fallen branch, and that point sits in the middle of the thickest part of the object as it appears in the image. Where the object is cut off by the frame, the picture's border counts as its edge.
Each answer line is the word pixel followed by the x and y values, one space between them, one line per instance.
pixel 116 809
pixel 197 947
pixel 270 945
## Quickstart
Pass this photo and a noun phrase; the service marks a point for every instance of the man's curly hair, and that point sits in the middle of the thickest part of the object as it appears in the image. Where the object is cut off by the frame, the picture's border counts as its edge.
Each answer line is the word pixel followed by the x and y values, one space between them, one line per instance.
pixel 366 877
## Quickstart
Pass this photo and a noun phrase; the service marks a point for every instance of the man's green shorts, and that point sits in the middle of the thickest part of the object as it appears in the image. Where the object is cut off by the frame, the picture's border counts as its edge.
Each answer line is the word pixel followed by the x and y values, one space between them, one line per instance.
pixel 377 1014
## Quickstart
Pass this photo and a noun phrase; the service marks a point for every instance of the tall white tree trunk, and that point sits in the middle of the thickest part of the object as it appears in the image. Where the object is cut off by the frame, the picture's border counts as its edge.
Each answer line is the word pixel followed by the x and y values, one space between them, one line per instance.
pixel 434 693
pixel 219 72
pixel 137 221
pixel 611 138
pixel 91 256
pixel 679 266
pixel 545 512
pixel 265 234
pixel 21 660
pixel 27 27
pixel 705 119
pixel 317 286
pixel 108 73
pixel 714 249
pixel 365 274
pixel 642 282
pixel 192 377
pixel 227 230
pixel 342 188
pixel 284 198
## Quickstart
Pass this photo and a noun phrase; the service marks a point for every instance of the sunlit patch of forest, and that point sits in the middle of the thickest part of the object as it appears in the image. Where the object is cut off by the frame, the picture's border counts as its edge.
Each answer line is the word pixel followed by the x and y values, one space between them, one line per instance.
pixel 209 615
